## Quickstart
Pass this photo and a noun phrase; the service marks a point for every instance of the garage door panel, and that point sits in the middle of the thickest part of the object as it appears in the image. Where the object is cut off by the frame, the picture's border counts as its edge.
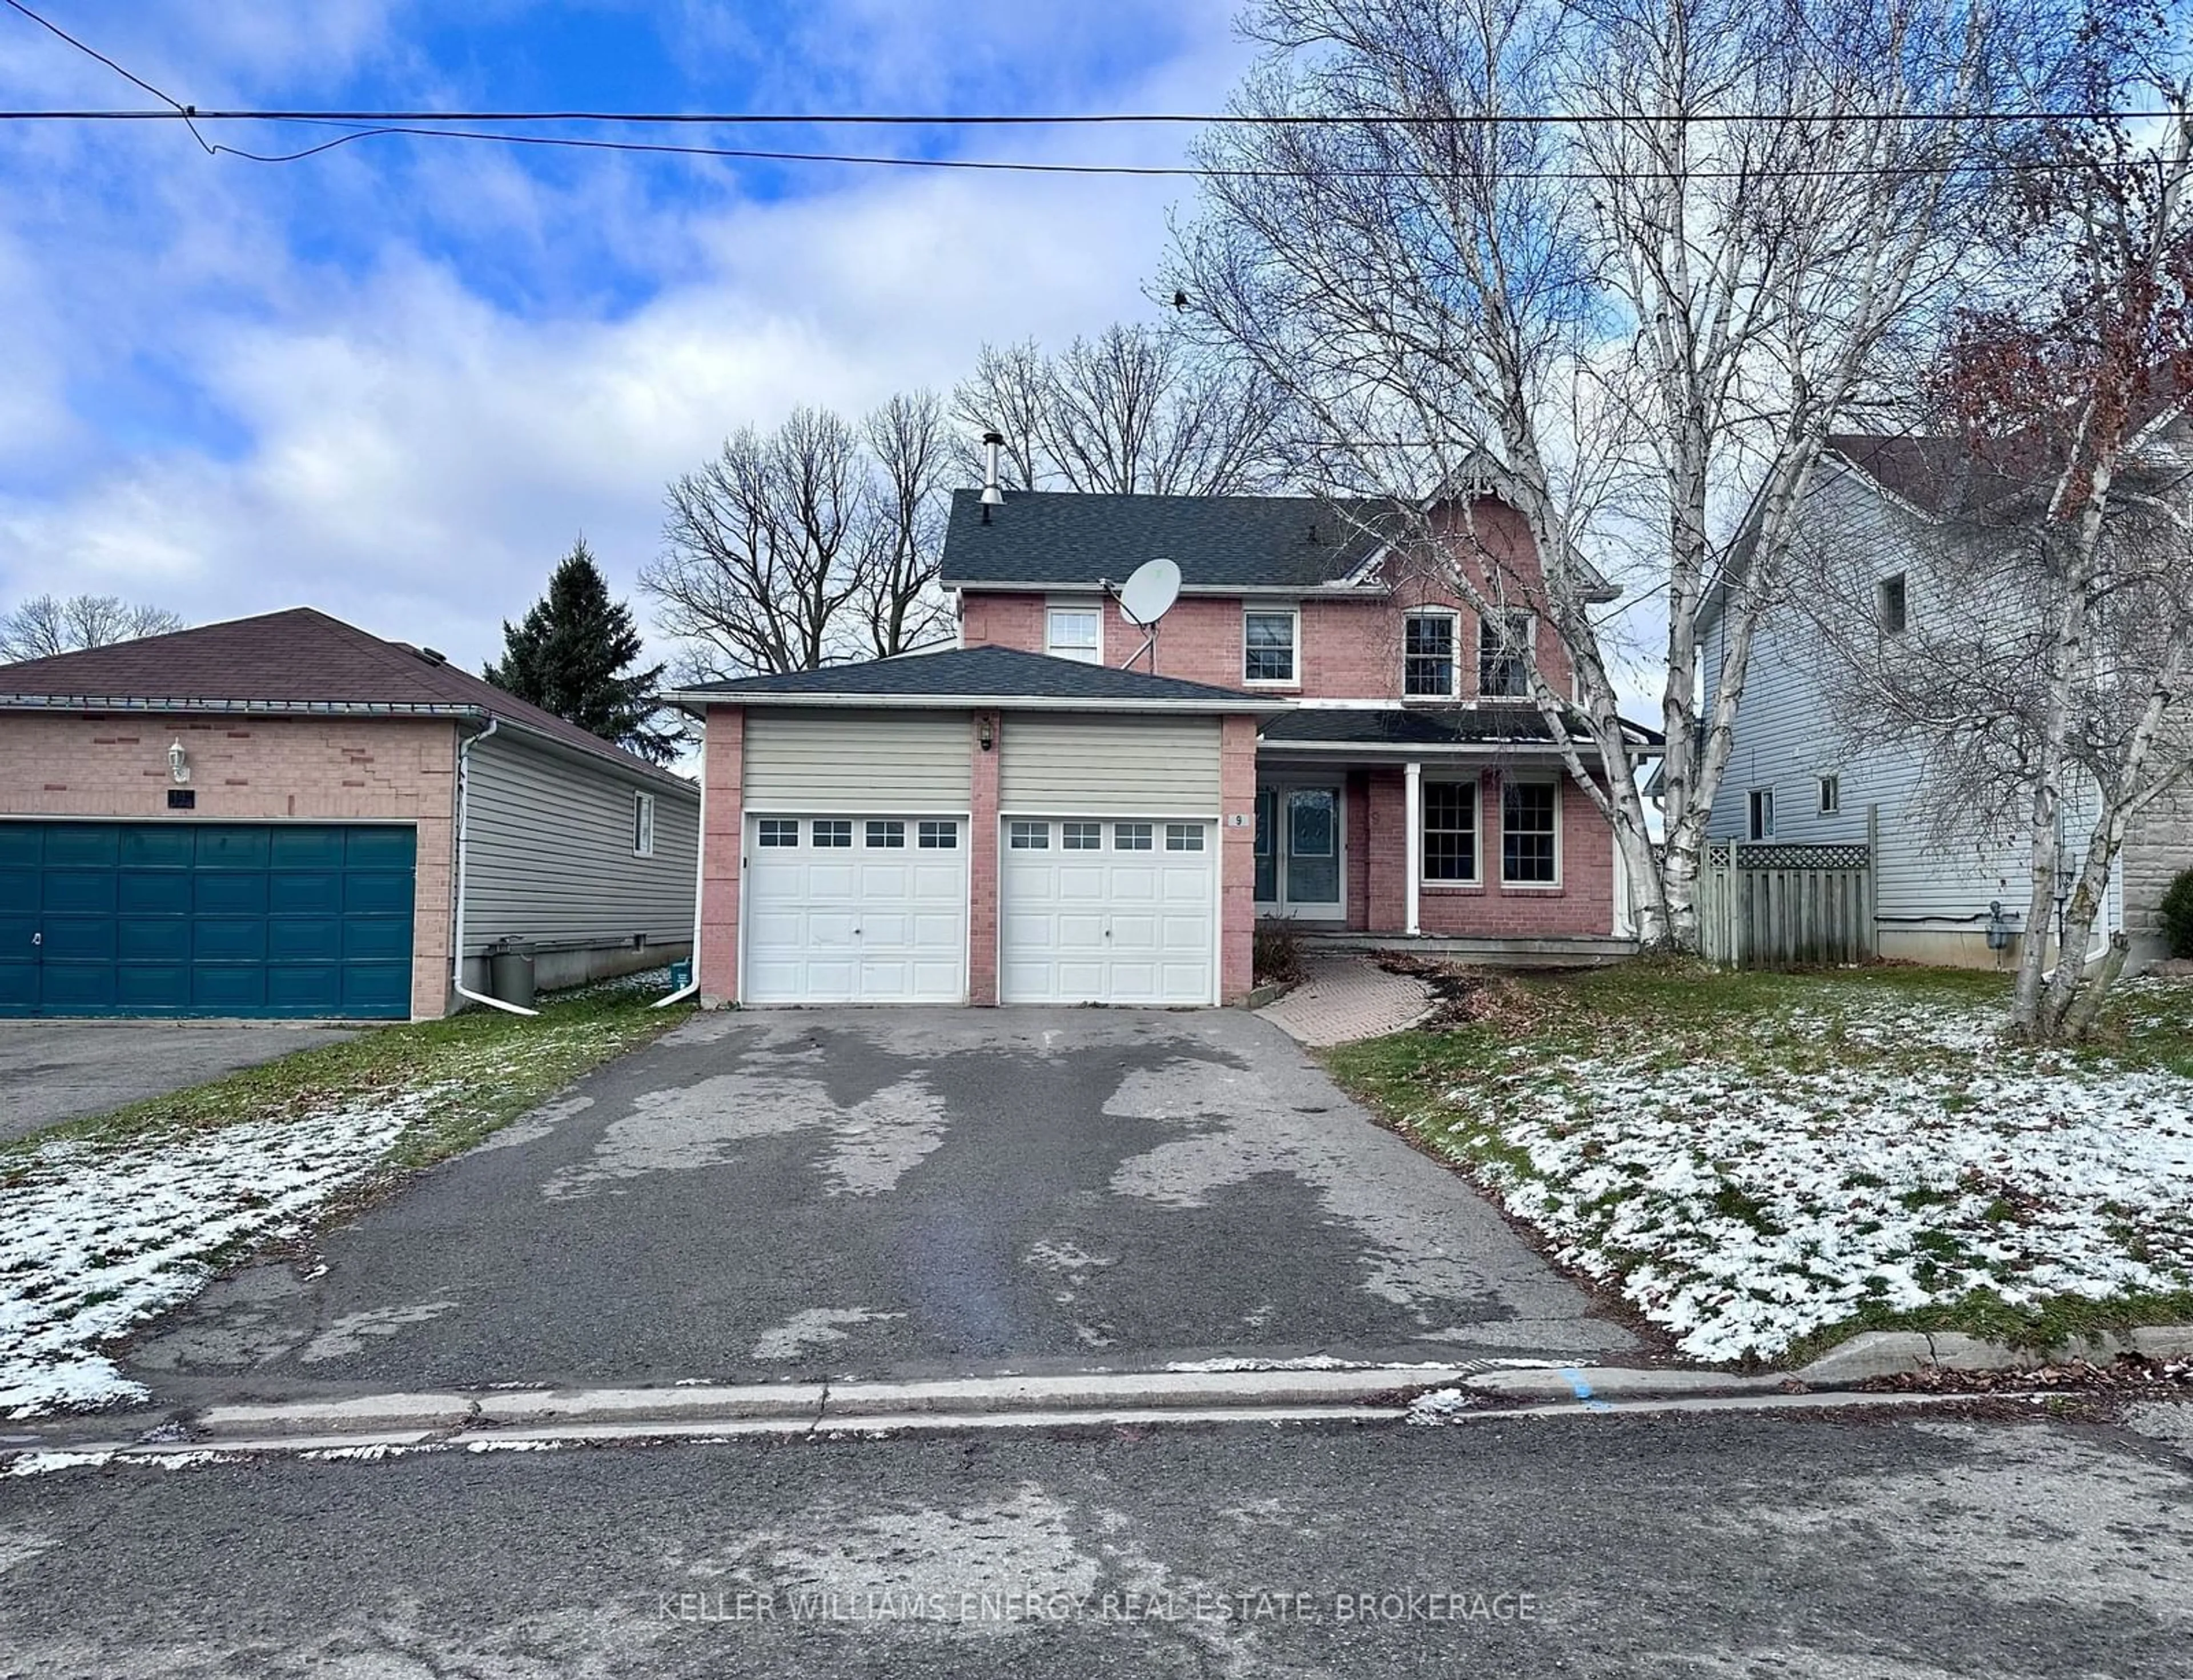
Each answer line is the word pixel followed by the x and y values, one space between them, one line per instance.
pixel 377 892
pixel 229 894
pixel 78 892
pixel 828 924
pixel 149 940
pixel 79 939
pixel 152 987
pixel 242 849
pixel 1110 925
pixel 208 919
pixel 310 893
pixel 156 848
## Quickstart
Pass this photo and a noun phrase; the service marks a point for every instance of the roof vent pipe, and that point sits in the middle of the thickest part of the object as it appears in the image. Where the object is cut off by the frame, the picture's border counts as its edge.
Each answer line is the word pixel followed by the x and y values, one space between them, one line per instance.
pixel 992 496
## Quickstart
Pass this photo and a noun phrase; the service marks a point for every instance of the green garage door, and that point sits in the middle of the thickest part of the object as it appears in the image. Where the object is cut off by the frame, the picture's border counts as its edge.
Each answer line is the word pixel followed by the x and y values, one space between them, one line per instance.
pixel 265 919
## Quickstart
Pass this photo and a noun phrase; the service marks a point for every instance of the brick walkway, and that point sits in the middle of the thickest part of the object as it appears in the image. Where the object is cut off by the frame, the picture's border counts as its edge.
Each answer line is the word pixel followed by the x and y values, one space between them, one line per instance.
pixel 1347 996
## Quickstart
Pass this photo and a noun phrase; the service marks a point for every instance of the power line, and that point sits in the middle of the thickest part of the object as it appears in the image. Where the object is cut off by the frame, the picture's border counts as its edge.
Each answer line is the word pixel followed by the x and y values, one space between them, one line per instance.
pixel 1053 119
pixel 433 125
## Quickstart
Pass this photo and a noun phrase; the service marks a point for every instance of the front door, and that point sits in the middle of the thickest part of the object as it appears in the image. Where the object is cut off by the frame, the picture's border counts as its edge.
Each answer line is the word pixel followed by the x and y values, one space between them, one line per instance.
pixel 1298 849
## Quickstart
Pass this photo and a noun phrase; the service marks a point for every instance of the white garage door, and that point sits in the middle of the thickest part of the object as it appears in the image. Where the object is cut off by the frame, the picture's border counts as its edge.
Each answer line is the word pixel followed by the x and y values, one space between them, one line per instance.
pixel 1106 912
pixel 856 910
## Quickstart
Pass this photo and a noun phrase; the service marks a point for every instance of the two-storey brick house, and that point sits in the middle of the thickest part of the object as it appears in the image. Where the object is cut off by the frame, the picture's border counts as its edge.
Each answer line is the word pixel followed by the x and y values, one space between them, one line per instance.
pixel 1314 732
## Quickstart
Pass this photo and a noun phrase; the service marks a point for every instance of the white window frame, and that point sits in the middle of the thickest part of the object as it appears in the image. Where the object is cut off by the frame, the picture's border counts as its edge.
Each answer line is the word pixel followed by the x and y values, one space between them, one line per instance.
pixel 1076 835
pixel 1184 837
pixel 1559 861
pixel 1900 582
pixel 643 824
pixel 1027 834
pixel 1831 796
pixel 1293 615
pixel 777 833
pixel 1756 800
pixel 1134 836
pixel 1454 654
pixel 1093 652
pixel 1431 882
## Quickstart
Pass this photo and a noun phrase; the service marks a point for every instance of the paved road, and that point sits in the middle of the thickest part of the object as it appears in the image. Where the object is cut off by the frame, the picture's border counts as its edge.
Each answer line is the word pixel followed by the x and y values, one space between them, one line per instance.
pixel 870 1193
pixel 55 1070
pixel 1711 1548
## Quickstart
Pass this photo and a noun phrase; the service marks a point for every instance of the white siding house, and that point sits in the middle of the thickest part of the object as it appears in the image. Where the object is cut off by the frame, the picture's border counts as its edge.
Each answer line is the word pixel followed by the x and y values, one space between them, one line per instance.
pixel 1795 773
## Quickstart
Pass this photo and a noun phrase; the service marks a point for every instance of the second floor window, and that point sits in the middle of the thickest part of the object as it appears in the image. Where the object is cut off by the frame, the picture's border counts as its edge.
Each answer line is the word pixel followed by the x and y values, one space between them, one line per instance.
pixel 1074 633
pixel 1503 656
pixel 1427 655
pixel 1267 646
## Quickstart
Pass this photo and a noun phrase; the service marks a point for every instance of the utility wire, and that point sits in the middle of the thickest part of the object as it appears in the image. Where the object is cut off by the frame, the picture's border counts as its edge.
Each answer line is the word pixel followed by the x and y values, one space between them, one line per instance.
pixel 430 125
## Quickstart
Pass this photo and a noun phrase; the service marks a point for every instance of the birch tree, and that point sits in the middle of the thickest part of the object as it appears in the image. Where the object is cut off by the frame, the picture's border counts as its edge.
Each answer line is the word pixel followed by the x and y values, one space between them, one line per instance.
pixel 1621 264
pixel 2044 683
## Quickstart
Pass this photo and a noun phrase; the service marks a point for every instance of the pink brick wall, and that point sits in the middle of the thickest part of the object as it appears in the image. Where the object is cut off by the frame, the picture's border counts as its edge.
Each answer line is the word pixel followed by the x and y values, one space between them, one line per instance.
pixel 1584 902
pixel 251 769
pixel 723 852
pixel 982 858
pixel 1348 649
pixel 1237 859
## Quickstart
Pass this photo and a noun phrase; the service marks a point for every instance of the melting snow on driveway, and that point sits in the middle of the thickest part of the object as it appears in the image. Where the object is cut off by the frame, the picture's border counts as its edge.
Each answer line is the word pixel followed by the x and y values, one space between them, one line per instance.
pixel 1741 1209
pixel 96 1237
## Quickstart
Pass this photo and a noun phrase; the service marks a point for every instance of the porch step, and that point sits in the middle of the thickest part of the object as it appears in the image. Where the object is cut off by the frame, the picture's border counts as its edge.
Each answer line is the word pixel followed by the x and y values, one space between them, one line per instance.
pixel 1575 951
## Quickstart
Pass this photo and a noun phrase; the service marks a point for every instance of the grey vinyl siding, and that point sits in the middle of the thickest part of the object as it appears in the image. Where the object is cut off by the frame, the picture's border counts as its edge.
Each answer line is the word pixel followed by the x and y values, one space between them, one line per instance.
pixel 1787 738
pixel 549 857
pixel 828 759
pixel 1065 765
pixel 2158 847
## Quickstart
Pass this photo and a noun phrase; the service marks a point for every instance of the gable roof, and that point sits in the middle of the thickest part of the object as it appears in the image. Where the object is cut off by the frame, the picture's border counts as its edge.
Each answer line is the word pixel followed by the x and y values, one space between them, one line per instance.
pixel 980 676
pixel 1070 539
pixel 297 660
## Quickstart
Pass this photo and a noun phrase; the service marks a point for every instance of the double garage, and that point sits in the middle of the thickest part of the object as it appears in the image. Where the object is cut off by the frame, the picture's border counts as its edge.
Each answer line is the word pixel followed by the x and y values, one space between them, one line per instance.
pixel 935 855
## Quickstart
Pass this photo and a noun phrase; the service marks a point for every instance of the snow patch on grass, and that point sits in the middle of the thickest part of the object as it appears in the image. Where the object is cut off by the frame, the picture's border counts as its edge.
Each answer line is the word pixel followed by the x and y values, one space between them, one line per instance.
pixel 97 1237
pixel 1741 1207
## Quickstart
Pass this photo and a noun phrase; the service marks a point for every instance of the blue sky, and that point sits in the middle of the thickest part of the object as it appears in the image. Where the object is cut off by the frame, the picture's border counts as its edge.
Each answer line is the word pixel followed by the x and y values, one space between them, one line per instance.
pixel 394 380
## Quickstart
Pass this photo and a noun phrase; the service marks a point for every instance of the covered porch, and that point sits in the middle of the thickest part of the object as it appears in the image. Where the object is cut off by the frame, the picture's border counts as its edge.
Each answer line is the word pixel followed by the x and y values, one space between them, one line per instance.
pixel 1442 827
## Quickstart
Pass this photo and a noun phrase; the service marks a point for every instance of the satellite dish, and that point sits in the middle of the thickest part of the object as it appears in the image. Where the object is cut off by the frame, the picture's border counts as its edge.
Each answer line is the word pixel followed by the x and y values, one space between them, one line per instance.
pixel 1148 594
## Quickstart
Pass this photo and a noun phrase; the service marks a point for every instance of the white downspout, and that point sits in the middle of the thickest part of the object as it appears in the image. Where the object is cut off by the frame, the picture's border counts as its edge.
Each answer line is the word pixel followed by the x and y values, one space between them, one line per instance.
pixel 464 828
pixel 700 876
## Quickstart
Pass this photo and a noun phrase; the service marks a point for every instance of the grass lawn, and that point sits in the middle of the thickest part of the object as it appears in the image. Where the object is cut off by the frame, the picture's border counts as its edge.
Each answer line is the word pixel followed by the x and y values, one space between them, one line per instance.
pixel 105 1222
pixel 1763 1165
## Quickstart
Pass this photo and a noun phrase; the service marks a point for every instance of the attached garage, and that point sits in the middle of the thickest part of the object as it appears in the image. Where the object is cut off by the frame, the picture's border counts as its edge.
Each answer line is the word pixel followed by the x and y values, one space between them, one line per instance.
pixel 978 825
pixel 292 920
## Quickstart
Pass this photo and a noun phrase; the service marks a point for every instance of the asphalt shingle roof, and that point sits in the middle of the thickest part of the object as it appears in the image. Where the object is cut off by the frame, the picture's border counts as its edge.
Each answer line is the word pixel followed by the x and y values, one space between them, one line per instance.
pixel 1078 541
pixel 977 673
pixel 1418 726
pixel 300 657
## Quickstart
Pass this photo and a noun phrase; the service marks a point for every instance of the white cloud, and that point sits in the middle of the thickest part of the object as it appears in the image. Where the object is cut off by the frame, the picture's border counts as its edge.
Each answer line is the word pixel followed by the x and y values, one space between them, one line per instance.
pixel 524 356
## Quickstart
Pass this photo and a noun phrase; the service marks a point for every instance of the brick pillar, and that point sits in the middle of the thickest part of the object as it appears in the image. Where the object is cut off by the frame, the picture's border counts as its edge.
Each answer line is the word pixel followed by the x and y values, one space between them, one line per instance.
pixel 1237 859
pixel 723 850
pixel 982 858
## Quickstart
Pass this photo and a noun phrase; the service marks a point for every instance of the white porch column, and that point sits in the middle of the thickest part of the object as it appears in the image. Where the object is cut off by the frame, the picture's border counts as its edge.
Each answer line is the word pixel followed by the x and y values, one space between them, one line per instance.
pixel 1412 813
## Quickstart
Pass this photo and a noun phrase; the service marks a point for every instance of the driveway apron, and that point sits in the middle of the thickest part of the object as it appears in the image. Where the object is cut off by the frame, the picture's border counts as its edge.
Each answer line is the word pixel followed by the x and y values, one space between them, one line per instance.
pixel 850 1193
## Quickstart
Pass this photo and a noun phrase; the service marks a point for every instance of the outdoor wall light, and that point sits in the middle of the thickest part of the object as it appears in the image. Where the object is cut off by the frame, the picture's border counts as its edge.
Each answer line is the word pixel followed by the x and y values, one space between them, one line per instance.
pixel 985 732
pixel 178 762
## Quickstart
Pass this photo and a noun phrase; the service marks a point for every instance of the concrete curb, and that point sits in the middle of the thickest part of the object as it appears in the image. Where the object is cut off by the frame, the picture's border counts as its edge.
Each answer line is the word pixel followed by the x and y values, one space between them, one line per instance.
pixel 1887 1354
pixel 823 1406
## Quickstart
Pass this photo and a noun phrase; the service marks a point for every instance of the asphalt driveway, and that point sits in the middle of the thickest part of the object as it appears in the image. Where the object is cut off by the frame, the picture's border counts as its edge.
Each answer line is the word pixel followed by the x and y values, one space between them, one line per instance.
pixel 55 1070
pixel 899 1192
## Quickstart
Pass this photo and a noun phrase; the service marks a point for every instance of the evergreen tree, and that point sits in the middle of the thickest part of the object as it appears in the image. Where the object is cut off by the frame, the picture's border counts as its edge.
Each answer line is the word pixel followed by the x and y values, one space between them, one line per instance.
pixel 572 655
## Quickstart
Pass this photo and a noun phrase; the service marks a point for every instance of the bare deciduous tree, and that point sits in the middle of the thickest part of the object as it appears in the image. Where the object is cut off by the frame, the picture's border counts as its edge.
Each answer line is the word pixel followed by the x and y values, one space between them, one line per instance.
pixel 1134 411
pixel 815 543
pixel 1634 326
pixel 2045 687
pixel 46 625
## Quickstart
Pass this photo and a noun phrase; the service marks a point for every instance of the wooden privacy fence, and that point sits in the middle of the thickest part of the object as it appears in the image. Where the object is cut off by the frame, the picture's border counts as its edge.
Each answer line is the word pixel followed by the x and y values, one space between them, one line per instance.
pixel 1764 905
